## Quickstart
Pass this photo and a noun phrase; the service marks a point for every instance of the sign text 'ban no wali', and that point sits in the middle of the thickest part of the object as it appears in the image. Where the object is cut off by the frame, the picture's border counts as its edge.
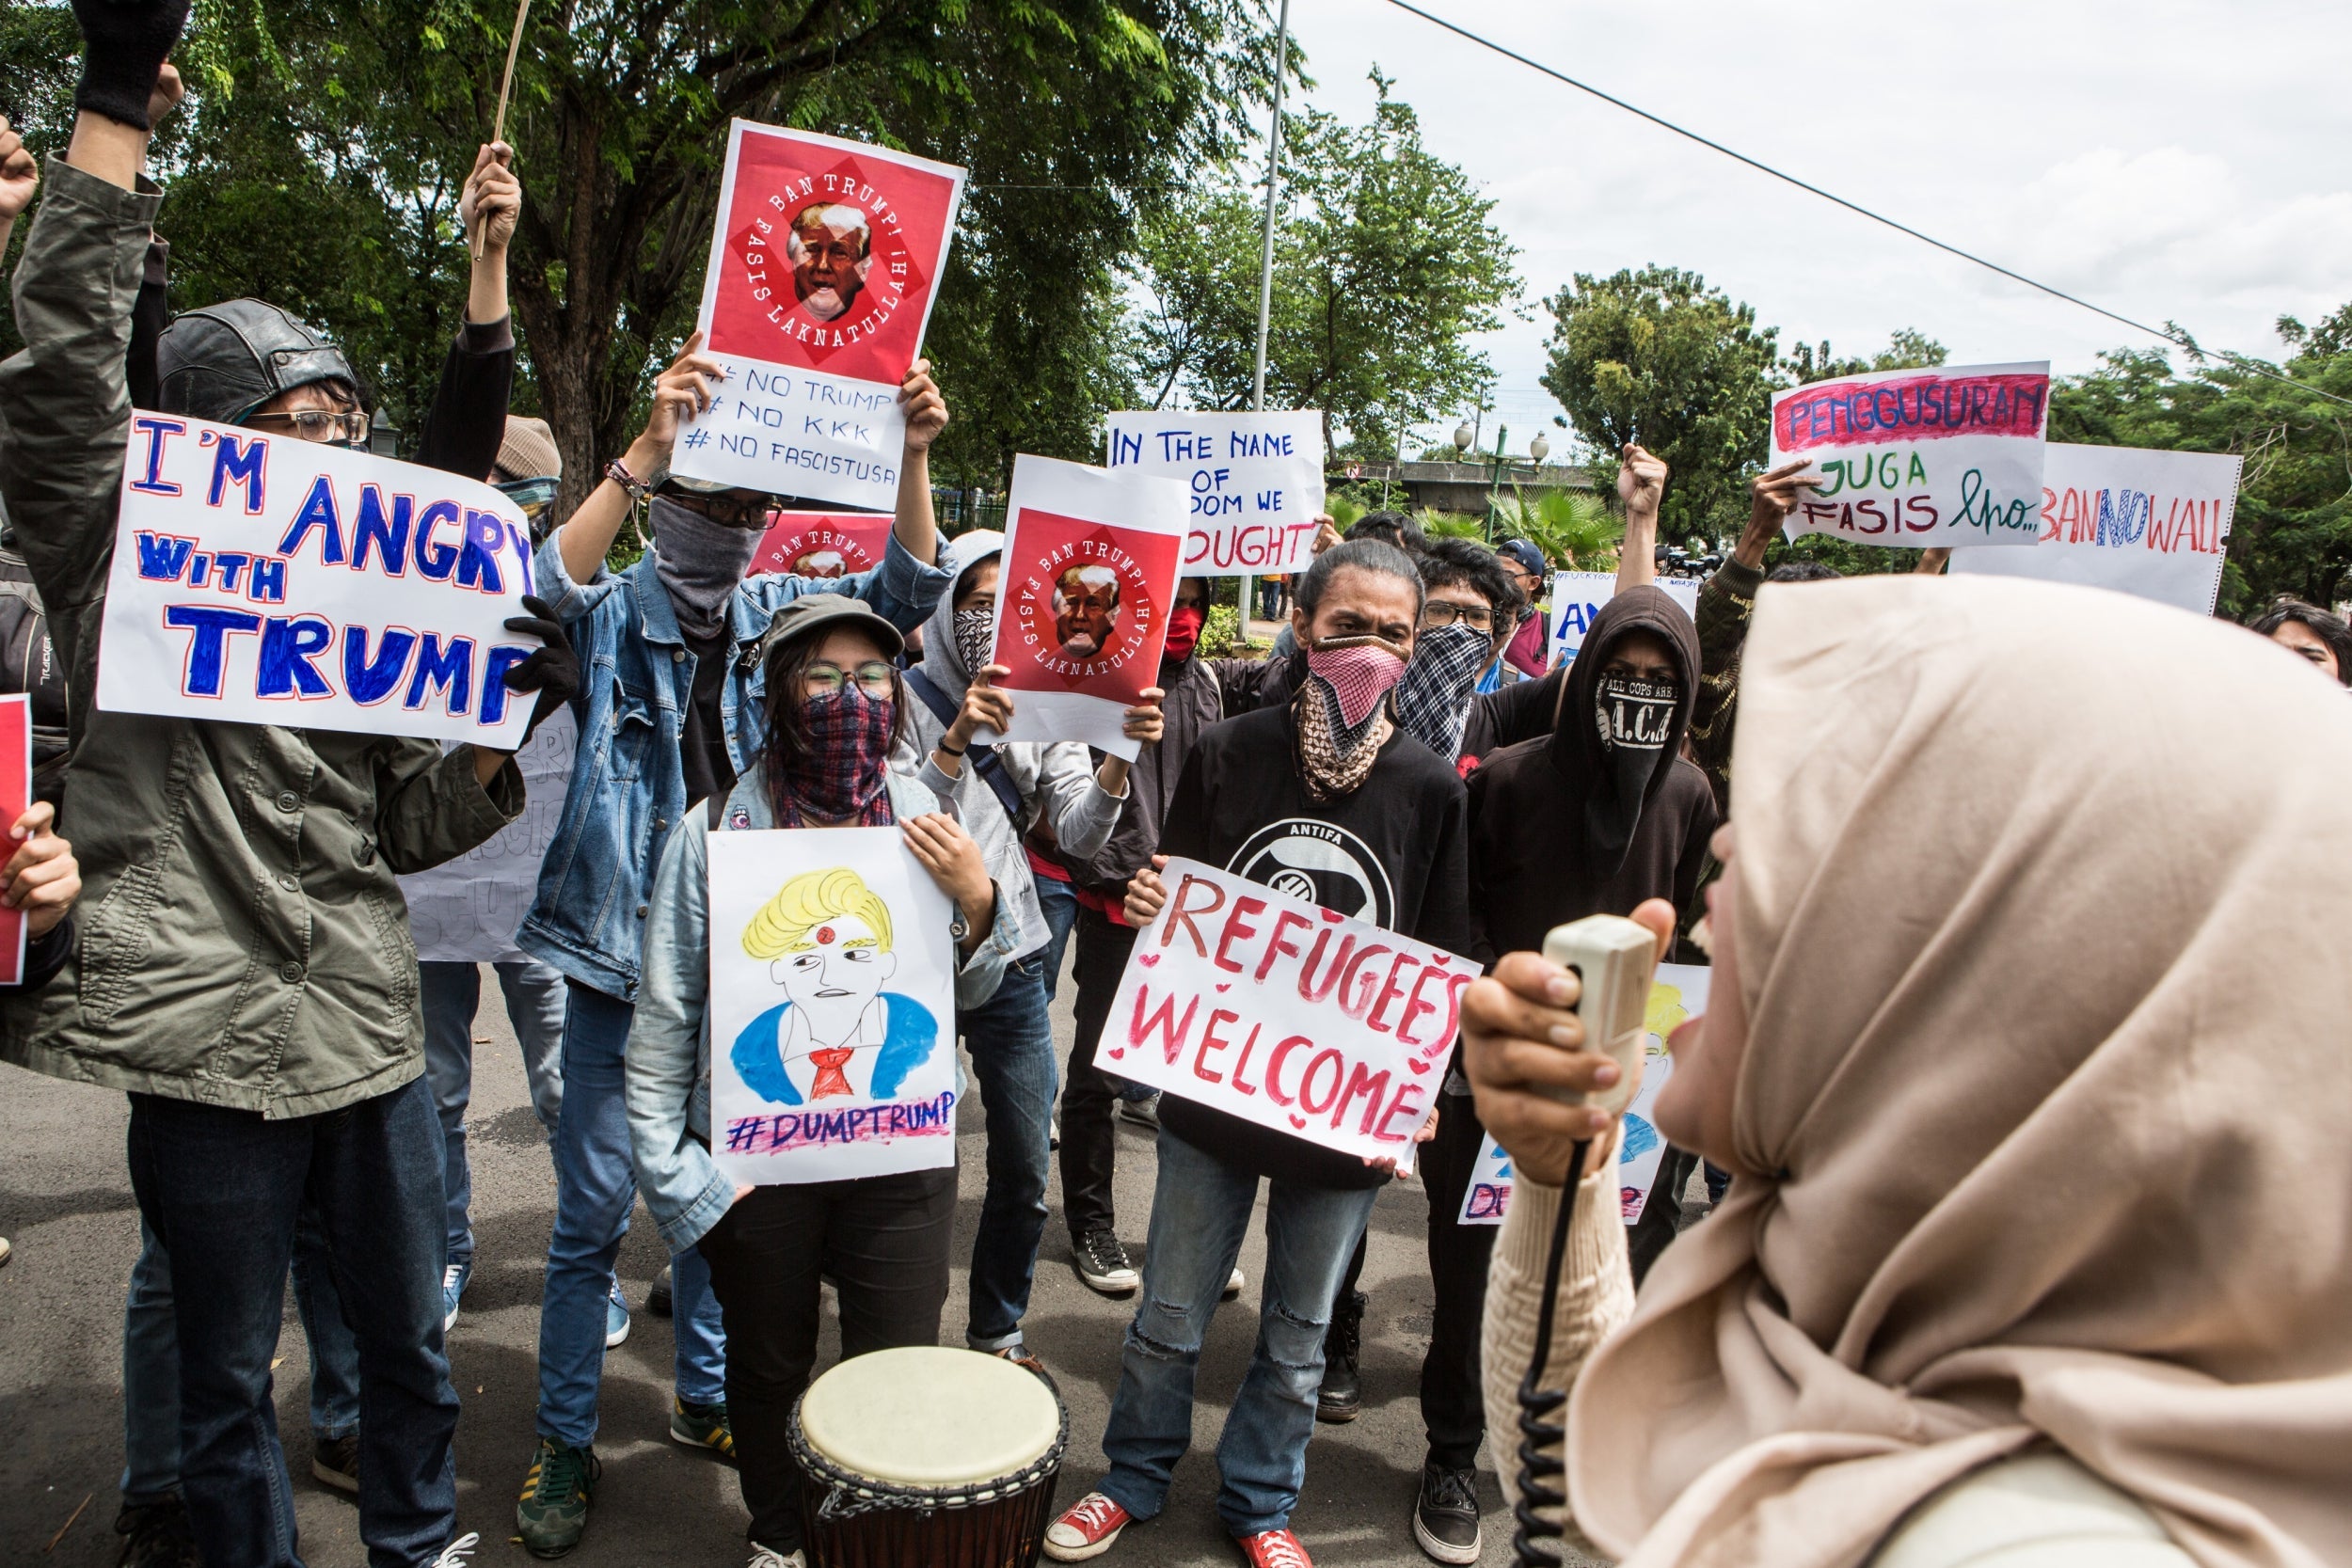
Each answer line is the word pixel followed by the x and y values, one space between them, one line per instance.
pixel 1253 483
pixel 1920 458
pixel 1286 1014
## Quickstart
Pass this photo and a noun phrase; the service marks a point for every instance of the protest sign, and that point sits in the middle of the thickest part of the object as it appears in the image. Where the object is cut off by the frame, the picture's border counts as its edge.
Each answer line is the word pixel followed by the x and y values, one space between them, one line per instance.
pixel 1921 458
pixel 831 1007
pixel 2151 523
pixel 823 543
pixel 265 579
pixel 16 798
pixel 1678 993
pixel 824 264
pixel 1253 483
pixel 1260 1005
pixel 1088 578
pixel 1577 597
pixel 466 910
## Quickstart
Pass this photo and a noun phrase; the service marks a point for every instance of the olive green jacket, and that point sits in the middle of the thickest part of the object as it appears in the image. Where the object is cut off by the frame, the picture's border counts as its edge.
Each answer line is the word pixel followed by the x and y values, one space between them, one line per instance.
pixel 243 942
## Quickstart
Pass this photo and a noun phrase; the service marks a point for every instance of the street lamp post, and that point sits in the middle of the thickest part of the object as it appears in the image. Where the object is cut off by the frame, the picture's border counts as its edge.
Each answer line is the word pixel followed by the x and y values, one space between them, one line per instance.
pixel 1494 480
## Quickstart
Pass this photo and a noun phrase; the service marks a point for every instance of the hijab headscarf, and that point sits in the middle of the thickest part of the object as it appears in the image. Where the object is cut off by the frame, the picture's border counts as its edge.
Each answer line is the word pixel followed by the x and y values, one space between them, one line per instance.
pixel 2041 1121
pixel 1618 773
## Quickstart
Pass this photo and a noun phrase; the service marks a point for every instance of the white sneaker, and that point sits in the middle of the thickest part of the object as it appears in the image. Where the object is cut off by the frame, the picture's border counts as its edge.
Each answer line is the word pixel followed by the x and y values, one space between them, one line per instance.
pixel 1232 1286
pixel 764 1557
pixel 456 1552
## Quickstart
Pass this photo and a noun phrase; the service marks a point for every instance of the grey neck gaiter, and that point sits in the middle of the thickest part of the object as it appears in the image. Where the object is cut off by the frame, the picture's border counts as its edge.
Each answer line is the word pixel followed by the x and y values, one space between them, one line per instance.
pixel 700 562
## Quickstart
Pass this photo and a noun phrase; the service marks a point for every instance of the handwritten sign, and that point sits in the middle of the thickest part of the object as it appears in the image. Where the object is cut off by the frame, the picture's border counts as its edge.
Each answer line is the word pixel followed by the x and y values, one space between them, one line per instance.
pixel 1915 458
pixel 16 798
pixel 1577 597
pixel 1678 993
pixel 831 1007
pixel 466 910
pixel 823 543
pixel 1281 1012
pixel 265 579
pixel 824 264
pixel 2151 523
pixel 1253 483
pixel 1090 576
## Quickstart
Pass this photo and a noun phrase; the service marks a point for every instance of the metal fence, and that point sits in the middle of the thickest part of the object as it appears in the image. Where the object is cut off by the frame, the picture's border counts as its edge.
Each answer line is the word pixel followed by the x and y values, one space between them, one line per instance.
pixel 960 511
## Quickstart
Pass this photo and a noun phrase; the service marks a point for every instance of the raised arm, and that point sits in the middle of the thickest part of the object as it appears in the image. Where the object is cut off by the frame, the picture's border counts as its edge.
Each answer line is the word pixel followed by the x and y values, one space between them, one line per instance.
pixel 466 422
pixel 681 391
pixel 1641 485
pixel 914 527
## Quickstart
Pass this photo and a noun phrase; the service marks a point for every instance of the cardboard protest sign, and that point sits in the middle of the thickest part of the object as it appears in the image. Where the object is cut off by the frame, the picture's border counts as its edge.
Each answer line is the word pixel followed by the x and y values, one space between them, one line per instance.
pixel 824 265
pixel 1258 1004
pixel 466 910
pixel 265 579
pixel 2151 523
pixel 1922 457
pixel 16 798
pixel 831 1007
pixel 823 543
pixel 1577 597
pixel 1678 993
pixel 1253 483
pixel 1088 579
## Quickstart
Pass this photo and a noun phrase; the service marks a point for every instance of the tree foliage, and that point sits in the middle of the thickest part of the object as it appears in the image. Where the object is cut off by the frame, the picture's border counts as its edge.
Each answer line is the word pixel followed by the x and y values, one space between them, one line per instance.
pixel 1386 262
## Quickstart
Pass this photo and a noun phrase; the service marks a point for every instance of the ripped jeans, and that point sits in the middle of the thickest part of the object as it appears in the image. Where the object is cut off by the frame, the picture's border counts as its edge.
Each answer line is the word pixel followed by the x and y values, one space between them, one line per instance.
pixel 1199 1211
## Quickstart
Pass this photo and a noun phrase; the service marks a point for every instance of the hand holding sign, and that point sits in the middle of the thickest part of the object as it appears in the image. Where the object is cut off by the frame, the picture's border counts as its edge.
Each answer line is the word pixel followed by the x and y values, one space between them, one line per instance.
pixel 20 173
pixel 925 409
pixel 42 878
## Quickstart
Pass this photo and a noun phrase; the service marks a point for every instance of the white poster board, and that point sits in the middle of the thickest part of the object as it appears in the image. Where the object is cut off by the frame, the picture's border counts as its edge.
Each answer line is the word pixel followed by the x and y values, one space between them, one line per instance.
pixel 1678 993
pixel 467 910
pixel 1286 1014
pixel 1919 458
pixel 2151 523
pixel 266 580
pixel 1577 597
pixel 825 259
pixel 1253 483
pixel 833 1047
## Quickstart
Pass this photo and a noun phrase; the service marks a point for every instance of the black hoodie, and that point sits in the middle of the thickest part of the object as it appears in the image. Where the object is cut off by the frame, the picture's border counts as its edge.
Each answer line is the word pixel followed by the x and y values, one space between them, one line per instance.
pixel 1537 860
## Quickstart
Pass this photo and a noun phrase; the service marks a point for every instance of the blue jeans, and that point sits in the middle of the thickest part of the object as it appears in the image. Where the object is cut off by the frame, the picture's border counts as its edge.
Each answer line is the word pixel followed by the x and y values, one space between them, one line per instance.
pixel 224 1192
pixel 596 1187
pixel 150 1360
pixel 1061 914
pixel 1011 1037
pixel 1200 1210
pixel 535 1004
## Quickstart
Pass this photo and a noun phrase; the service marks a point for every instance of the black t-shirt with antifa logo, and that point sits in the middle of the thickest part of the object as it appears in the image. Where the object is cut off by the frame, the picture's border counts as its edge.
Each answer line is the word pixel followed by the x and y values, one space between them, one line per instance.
pixel 1391 853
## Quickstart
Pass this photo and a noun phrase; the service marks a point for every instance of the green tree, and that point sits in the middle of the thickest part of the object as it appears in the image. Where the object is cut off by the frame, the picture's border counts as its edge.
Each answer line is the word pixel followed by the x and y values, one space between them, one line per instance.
pixel 1909 350
pixel 1387 264
pixel 1657 358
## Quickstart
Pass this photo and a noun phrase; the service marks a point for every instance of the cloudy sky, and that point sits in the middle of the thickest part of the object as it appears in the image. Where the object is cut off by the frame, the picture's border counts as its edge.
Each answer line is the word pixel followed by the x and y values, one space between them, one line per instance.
pixel 2169 160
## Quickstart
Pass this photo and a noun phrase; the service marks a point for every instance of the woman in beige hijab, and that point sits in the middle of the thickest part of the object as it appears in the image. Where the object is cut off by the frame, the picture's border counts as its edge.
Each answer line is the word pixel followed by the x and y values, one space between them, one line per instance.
pixel 2029 1053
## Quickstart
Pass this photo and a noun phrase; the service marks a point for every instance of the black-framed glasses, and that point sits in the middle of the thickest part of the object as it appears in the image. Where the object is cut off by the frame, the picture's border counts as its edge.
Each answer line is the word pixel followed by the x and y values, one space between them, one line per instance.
pixel 1438 613
pixel 874 677
pixel 726 511
pixel 318 424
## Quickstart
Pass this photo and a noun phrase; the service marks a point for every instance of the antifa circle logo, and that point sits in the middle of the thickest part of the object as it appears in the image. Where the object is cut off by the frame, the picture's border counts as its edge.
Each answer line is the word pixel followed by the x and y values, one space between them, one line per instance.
pixel 1320 864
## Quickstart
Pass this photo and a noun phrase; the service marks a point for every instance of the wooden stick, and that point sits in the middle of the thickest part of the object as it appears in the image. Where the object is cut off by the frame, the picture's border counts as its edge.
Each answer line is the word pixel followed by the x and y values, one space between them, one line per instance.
pixel 67 1526
pixel 497 132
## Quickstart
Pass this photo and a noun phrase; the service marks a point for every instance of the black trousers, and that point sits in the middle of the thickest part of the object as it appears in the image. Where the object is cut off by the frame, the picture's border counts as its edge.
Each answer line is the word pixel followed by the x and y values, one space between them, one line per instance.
pixel 1090 1139
pixel 885 1241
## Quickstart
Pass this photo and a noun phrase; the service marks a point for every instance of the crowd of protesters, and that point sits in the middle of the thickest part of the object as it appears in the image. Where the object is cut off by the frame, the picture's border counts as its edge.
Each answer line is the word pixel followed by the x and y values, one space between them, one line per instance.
pixel 1998 1217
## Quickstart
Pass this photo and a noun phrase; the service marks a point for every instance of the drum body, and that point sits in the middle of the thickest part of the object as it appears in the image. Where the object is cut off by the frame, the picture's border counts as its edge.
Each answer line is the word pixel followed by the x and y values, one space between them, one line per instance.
pixel 927 1456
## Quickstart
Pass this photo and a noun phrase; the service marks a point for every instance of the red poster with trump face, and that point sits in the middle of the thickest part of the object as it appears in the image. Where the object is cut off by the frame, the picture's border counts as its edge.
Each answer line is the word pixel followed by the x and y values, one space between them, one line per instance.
pixel 828 253
pixel 823 543
pixel 1087 579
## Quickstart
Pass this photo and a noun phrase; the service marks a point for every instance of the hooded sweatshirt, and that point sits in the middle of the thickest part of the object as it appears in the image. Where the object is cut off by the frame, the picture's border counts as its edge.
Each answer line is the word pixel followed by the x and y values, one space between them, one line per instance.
pixel 1555 835
pixel 1055 780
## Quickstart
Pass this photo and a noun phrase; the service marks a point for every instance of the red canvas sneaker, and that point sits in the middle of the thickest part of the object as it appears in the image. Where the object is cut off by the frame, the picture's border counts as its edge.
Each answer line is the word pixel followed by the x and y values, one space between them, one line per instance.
pixel 1273 1548
pixel 1088 1529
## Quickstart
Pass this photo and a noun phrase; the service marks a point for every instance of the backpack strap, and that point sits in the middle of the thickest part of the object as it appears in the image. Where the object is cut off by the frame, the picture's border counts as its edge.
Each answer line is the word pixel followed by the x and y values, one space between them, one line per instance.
pixel 983 759
pixel 714 811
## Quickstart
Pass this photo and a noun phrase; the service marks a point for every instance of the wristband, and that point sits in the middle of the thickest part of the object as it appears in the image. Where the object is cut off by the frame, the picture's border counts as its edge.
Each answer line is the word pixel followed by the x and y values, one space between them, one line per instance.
pixel 618 473
pixel 951 751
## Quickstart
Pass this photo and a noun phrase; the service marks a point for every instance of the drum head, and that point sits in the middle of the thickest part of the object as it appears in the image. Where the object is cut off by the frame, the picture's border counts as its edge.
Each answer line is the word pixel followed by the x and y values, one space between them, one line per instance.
pixel 930 1416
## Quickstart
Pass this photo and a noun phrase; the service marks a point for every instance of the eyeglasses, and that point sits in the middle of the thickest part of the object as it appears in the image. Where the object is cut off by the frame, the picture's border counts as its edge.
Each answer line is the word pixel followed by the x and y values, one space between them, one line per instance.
pixel 317 424
pixel 1439 613
pixel 873 677
pixel 726 511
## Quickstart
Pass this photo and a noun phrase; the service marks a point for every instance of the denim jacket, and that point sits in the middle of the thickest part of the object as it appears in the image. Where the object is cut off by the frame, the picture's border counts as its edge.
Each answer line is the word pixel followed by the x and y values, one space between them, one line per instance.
pixel 629 777
pixel 667 1088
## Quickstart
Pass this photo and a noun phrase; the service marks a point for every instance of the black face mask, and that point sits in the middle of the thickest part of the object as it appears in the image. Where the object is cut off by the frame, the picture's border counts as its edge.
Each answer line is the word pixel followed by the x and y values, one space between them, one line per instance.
pixel 1634 719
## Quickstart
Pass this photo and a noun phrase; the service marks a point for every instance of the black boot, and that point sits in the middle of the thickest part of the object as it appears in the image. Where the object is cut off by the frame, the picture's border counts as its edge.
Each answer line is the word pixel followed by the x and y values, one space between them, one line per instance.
pixel 155 1535
pixel 1342 1397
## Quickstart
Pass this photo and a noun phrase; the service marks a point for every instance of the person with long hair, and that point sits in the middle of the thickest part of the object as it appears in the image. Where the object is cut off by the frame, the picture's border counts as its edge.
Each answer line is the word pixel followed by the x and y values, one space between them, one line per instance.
pixel 835 708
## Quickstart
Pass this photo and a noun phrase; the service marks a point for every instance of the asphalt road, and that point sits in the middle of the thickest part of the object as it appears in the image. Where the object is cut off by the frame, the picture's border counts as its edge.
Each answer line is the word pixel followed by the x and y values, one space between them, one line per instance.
pixel 65 1202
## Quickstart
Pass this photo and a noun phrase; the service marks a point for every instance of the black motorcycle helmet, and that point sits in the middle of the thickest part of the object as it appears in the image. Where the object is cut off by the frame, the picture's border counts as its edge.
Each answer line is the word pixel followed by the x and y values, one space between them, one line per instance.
pixel 225 360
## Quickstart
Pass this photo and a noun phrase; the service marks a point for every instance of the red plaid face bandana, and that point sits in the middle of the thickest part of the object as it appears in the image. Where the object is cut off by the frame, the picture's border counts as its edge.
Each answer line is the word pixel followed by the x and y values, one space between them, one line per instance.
pixel 845 771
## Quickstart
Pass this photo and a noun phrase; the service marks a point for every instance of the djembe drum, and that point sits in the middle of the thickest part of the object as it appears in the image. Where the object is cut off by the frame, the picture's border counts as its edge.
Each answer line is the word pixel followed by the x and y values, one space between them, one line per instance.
pixel 926 1455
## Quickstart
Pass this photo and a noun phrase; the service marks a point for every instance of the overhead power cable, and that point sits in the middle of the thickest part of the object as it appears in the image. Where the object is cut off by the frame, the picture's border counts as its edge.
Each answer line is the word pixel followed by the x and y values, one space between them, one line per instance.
pixel 2172 335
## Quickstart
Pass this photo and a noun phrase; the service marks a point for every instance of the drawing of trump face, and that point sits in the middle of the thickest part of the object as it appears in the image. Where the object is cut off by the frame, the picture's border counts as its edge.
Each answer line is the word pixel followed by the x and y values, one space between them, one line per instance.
pixel 833 979
pixel 1086 611
pixel 831 248
pixel 822 563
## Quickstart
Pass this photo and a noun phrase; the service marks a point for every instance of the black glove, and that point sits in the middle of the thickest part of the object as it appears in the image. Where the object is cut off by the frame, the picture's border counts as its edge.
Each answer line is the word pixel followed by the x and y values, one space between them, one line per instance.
pixel 125 44
pixel 554 672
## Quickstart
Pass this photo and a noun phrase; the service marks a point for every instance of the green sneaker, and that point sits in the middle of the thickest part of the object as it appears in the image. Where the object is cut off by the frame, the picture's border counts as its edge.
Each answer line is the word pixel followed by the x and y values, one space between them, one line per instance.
pixel 552 1514
pixel 703 1426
